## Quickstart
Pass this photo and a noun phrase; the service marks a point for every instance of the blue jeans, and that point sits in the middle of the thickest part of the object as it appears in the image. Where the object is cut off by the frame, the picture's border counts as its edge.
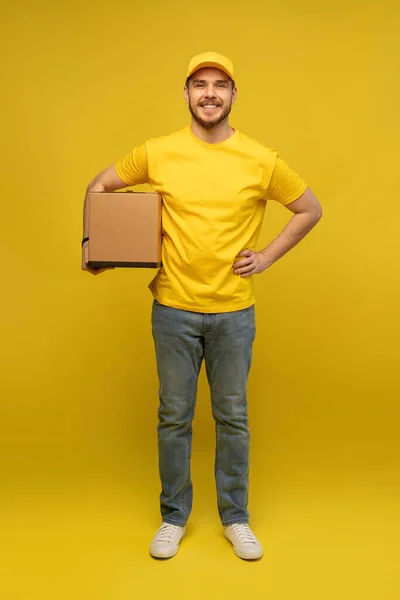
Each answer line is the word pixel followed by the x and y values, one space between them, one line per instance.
pixel 182 339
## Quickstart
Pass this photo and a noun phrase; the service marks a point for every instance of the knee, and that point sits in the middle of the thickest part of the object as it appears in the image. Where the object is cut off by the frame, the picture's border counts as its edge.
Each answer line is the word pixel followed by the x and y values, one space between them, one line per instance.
pixel 234 419
pixel 174 415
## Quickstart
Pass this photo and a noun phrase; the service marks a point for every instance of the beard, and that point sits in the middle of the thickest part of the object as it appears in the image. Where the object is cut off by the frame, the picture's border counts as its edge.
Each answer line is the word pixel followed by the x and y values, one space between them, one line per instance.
pixel 211 122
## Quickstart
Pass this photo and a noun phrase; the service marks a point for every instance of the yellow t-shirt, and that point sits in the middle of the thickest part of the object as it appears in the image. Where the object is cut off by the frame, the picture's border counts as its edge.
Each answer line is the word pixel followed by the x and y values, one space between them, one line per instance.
pixel 214 198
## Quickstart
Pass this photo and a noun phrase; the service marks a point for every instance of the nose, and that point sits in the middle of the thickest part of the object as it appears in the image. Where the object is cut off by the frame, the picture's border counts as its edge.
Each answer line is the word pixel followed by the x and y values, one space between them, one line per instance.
pixel 210 91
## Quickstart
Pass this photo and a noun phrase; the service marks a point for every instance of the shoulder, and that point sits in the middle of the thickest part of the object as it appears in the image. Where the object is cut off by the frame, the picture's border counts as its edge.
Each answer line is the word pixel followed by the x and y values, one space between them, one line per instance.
pixel 166 141
pixel 256 148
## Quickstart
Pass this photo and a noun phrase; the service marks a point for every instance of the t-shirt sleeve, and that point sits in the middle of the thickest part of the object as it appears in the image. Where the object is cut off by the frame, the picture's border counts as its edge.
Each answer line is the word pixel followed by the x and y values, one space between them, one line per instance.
pixel 133 168
pixel 285 185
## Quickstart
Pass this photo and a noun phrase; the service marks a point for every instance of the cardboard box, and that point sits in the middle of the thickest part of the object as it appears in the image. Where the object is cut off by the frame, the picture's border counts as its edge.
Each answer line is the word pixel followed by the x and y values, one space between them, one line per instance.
pixel 124 229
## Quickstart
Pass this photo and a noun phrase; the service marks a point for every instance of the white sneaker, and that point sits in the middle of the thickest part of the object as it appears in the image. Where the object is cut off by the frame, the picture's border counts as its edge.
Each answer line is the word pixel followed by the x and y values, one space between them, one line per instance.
pixel 245 543
pixel 166 540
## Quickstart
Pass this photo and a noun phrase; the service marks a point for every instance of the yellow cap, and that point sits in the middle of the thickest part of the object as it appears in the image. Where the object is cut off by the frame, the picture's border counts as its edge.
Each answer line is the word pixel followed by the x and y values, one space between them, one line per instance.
pixel 210 59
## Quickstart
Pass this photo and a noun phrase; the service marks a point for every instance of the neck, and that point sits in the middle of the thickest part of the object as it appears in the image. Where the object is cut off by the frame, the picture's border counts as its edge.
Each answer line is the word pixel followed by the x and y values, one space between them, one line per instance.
pixel 220 133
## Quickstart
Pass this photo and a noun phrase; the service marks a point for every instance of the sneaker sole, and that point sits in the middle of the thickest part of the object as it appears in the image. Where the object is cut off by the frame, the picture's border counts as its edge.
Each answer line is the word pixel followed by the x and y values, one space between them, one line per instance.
pixel 155 555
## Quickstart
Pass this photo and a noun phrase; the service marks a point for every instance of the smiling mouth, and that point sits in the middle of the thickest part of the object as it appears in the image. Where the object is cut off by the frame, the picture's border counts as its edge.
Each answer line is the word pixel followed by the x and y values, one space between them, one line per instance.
pixel 210 106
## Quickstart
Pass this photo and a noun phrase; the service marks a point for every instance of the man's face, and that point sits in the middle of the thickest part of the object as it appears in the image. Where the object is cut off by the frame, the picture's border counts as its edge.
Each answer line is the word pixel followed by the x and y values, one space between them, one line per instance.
pixel 210 97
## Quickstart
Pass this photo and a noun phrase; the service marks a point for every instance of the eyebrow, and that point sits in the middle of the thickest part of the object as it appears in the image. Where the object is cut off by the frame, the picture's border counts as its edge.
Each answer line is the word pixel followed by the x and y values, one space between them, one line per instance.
pixel 215 81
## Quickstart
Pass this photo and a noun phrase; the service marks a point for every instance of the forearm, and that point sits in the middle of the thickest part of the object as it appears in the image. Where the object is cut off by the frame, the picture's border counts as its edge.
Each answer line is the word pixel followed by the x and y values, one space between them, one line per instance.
pixel 297 228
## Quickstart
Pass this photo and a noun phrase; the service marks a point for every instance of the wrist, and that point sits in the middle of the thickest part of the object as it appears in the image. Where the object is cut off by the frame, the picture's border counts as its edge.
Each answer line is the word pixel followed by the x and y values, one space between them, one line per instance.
pixel 267 260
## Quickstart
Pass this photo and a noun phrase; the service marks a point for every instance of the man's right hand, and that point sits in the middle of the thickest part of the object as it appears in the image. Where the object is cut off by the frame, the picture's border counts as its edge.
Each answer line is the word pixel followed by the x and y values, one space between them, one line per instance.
pixel 85 260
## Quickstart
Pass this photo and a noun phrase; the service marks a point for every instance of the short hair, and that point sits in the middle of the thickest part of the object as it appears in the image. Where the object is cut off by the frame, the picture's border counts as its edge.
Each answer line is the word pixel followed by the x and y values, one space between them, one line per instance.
pixel 189 78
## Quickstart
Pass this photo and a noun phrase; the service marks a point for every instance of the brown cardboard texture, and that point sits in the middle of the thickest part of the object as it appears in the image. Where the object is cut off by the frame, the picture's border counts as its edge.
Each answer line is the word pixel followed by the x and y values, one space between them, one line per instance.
pixel 124 229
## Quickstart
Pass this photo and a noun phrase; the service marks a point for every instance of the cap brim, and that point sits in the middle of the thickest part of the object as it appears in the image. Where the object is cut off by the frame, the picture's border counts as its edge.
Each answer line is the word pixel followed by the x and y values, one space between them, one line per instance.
pixel 209 64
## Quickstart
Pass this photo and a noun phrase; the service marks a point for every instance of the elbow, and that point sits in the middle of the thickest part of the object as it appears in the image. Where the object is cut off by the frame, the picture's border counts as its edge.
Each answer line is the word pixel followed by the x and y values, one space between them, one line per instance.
pixel 318 214
pixel 315 212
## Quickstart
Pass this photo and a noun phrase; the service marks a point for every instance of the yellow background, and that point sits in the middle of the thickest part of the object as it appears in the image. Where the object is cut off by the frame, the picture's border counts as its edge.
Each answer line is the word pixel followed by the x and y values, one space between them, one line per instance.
pixel 82 84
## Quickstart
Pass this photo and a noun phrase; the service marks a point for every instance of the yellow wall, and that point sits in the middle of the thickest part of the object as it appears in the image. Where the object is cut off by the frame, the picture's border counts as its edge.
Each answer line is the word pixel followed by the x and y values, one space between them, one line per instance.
pixel 81 86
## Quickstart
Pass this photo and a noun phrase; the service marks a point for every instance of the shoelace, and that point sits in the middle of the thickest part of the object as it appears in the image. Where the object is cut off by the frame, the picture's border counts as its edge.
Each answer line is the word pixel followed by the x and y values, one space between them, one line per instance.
pixel 167 532
pixel 244 533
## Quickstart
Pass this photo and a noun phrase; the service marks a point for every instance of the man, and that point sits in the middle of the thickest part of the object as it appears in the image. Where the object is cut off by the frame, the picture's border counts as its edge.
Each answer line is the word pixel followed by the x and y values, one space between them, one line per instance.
pixel 214 182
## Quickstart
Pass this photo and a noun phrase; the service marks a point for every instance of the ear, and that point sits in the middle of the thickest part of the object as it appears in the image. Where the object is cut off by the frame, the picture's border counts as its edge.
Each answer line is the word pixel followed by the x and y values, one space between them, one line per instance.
pixel 234 95
pixel 186 94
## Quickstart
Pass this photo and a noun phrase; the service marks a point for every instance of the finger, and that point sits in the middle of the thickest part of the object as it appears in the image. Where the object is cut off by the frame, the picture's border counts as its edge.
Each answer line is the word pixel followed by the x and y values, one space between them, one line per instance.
pixel 243 263
pixel 253 271
pixel 245 253
pixel 246 269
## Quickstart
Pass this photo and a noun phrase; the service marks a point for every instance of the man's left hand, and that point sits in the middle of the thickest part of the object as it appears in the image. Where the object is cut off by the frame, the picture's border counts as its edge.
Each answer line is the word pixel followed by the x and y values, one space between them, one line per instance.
pixel 252 263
